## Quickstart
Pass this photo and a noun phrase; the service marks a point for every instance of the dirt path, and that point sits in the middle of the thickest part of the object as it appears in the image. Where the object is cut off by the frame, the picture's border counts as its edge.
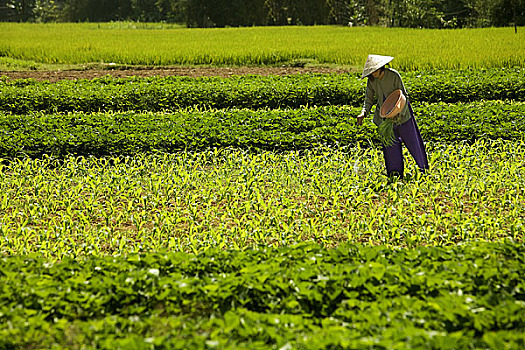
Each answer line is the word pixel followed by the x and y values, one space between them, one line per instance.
pixel 54 76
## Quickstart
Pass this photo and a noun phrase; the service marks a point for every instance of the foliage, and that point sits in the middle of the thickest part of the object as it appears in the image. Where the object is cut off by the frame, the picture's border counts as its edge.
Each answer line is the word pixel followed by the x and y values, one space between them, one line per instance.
pixel 157 94
pixel 295 297
pixel 222 13
pixel 386 133
pixel 127 133
pixel 196 249
pixel 229 198
pixel 253 92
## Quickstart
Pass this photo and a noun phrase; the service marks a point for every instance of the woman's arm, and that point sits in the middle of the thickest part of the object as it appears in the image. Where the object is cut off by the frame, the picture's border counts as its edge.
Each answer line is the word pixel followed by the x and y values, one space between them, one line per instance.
pixel 367 105
pixel 369 98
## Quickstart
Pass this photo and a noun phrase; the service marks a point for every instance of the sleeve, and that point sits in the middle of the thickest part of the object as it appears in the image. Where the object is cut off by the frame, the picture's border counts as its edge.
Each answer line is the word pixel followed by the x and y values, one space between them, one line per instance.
pixel 369 98
pixel 398 83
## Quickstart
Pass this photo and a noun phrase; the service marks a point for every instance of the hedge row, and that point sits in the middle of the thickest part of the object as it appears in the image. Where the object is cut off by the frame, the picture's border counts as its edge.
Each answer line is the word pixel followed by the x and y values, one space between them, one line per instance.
pixel 253 92
pixel 459 297
pixel 102 133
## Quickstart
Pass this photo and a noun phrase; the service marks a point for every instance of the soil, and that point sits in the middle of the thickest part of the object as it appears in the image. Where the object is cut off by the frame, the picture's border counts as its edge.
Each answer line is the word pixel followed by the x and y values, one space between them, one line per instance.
pixel 53 76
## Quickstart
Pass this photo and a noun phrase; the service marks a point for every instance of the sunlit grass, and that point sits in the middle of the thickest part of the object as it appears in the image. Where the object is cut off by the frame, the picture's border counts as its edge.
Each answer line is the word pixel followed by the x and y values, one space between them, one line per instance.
pixel 157 44
pixel 234 199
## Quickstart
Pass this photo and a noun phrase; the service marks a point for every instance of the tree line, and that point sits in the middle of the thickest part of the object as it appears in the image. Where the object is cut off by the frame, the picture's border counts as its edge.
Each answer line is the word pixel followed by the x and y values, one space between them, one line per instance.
pixel 235 13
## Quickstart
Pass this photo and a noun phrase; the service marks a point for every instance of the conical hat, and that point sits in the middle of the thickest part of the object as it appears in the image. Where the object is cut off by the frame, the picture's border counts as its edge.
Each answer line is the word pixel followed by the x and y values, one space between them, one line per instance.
pixel 374 62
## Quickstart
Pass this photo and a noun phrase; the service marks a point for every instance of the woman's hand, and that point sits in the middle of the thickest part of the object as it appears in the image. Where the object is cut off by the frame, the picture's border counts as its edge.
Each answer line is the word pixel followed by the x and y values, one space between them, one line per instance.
pixel 360 118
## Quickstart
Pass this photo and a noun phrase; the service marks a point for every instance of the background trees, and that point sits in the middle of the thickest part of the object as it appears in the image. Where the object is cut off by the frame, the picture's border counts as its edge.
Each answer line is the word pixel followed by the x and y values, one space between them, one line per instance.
pixel 222 13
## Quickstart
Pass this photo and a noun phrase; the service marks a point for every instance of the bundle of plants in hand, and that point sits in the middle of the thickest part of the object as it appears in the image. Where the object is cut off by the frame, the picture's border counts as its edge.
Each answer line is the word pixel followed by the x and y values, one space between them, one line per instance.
pixel 386 132
pixel 390 111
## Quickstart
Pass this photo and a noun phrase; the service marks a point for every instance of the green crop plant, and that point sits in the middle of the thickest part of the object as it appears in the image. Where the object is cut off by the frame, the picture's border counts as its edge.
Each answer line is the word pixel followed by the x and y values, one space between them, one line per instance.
pixel 193 201
pixel 86 43
pixel 301 297
pixel 198 213
pixel 99 134
pixel 253 92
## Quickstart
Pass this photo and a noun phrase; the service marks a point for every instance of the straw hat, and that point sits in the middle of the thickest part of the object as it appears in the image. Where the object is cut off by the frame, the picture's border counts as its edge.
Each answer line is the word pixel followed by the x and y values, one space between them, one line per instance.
pixel 374 62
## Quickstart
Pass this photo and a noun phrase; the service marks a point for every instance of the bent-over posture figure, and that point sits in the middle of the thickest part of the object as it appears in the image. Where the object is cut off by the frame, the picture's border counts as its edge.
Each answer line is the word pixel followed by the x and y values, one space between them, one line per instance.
pixel 381 83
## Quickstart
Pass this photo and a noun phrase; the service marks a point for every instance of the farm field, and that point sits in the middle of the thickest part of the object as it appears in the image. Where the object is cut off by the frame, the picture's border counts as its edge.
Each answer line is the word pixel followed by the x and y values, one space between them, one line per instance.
pixel 249 211
pixel 235 199
pixel 163 45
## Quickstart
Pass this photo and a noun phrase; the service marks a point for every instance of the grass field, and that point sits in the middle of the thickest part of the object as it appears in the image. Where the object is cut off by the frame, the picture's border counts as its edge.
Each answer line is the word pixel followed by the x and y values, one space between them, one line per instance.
pixel 128 44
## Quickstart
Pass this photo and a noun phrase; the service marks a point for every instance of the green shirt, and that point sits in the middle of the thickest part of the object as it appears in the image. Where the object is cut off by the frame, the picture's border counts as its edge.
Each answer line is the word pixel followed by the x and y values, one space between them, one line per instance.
pixel 377 90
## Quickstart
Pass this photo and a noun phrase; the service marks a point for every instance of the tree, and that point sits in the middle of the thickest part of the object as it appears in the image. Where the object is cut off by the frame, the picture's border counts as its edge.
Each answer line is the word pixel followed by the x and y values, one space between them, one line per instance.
pixel 223 13
pixel 456 13
pixel 415 13
pixel 145 11
pixel 20 10
pixel 171 10
pixel 422 14
pixel 508 12
pixel 486 13
pixel 45 11
pixel 372 11
pixel 277 11
pixel 308 12
pixel 346 12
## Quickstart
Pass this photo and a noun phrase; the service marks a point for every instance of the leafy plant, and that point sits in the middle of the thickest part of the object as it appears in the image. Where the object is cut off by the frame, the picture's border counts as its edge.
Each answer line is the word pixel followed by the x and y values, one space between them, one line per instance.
pixel 386 132
pixel 251 92
pixel 305 296
pixel 233 198
pixel 128 133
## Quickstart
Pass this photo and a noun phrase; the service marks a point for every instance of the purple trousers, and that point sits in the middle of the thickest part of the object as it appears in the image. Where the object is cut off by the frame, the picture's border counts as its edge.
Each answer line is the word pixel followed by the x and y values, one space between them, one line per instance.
pixel 409 134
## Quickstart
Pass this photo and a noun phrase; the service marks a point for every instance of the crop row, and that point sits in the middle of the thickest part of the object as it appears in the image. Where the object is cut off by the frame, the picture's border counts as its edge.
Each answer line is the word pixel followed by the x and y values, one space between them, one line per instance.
pixel 274 45
pixel 253 92
pixel 101 133
pixel 466 296
pixel 235 199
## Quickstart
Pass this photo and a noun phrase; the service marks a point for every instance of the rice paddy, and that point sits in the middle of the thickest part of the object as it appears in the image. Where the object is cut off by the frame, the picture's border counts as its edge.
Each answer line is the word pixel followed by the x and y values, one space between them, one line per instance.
pixel 161 45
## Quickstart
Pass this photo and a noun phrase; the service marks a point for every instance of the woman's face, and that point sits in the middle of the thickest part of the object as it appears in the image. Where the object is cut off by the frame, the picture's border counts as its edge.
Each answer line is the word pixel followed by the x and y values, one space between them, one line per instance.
pixel 377 73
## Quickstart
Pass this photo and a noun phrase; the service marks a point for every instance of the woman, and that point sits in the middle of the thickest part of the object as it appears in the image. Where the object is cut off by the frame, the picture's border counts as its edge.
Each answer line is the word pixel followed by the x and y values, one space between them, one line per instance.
pixel 382 82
